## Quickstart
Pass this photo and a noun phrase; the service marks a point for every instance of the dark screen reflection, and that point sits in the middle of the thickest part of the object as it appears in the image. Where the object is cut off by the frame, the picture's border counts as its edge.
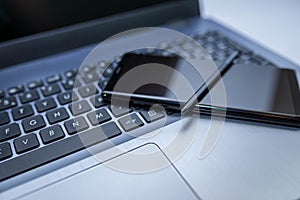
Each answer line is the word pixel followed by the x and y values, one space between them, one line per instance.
pixel 265 89
pixel 176 84
pixel 23 17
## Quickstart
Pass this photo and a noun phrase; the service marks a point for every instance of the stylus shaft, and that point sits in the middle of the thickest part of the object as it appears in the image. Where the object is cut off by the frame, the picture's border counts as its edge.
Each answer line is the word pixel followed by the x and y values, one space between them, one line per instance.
pixel 190 104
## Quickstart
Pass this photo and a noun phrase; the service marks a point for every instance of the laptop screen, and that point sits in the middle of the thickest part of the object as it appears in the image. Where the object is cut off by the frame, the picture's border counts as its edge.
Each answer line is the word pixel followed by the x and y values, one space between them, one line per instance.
pixel 25 17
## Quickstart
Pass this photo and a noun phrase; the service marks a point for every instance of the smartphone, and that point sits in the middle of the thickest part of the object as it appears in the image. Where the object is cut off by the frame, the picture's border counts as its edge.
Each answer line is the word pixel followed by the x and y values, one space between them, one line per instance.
pixel 166 80
pixel 258 93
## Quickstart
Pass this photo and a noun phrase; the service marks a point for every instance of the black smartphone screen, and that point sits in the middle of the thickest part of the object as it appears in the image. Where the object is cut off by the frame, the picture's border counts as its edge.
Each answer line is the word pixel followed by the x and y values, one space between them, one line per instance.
pixel 260 93
pixel 167 80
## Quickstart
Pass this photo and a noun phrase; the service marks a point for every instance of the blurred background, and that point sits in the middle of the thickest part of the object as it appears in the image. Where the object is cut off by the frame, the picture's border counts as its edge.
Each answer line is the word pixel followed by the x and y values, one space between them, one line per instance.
pixel 273 23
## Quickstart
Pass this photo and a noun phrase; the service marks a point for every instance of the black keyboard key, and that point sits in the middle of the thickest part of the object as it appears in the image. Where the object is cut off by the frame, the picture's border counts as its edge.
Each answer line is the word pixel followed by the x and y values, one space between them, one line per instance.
pixel 239 48
pixel 29 96
pixel 52 134
pixel 5 151
pixel 87 90
pixel 102 63
pixel 108 71
pixel 4 118
pixel 45 104
pixel 9 131
pixel 222 45
pixel 260 60
pixel 97 101
pixel 245 57
pixel 103 83
pixel 57 115
pixel 257 60
pixel 35 84
pixel 2 93
pixel 16 89
pixel 130 122
pixel 88 68
pixel 70 74
pixel 210 38
pixel 7 103
pixel 26 143
pixel 53 79
pixel 57 150
pixel 79 107
pixel 50 89
pixel 152 115
pixel 90 77
pixel 76 125
pixel 67 97
pixel 119 110
pixel 33 123
pixel 99 116
pixel 22 112
pixel 70 83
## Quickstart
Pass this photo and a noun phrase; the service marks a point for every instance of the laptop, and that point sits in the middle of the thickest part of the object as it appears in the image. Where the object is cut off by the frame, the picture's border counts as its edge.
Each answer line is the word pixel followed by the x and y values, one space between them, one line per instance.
pixel 59 139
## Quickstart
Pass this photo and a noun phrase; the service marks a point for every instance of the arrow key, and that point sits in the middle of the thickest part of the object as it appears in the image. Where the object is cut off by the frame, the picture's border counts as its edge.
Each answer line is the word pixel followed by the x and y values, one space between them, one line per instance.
pixel 26 143
pixel 130 122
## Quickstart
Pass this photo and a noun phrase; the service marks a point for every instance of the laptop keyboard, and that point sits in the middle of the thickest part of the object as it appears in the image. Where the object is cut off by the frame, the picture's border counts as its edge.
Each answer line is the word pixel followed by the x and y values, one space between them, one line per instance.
pixel 48 119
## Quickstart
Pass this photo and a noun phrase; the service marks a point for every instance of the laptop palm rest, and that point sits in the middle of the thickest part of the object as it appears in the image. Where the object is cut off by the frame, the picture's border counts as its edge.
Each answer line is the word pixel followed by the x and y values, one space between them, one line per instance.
pixel 104 182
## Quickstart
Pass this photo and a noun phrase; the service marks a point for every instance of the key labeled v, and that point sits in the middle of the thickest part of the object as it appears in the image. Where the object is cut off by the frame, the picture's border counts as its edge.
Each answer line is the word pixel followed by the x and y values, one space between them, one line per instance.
pixel 45 103
pixel 25 141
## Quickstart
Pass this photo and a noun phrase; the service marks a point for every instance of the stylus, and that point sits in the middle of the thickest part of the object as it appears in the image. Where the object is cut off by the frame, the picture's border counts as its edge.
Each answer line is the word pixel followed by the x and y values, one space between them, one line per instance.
pixel 190 104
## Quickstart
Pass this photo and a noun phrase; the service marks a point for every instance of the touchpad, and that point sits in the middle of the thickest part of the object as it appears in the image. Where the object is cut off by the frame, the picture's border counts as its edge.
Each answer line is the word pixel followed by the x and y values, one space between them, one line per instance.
pixel 103 182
